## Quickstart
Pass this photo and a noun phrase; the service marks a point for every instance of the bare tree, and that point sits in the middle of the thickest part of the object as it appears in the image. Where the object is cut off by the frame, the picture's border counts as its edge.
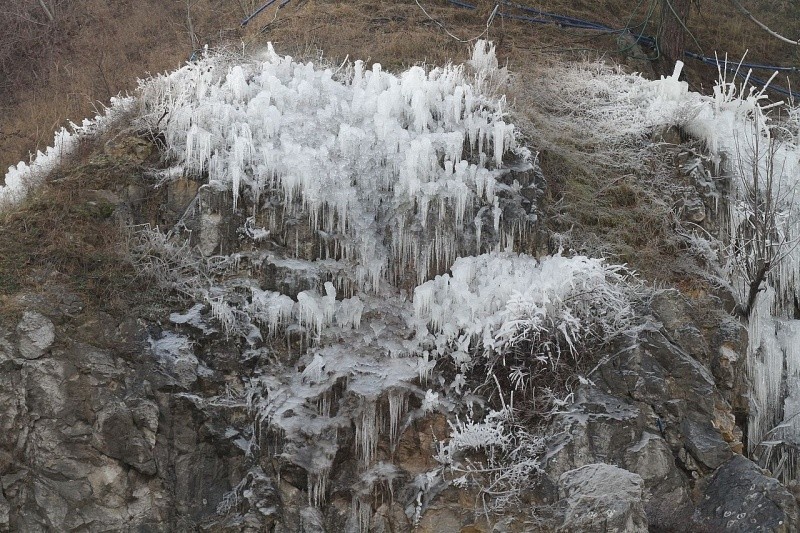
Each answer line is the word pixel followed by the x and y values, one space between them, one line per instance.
pixel 763 238
pixel 672 37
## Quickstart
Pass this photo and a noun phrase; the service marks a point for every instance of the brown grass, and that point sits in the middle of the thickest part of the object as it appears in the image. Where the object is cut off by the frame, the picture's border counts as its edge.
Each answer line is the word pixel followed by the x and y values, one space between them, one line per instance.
pixel 96 50
pixel 66 234
pixel 99 48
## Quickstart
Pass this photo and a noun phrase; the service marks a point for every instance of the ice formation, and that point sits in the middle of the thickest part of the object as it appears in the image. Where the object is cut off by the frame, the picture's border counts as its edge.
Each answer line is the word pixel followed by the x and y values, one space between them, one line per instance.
pixel 399 178
pixel 370 156
pixel 393 174
pixel 21 177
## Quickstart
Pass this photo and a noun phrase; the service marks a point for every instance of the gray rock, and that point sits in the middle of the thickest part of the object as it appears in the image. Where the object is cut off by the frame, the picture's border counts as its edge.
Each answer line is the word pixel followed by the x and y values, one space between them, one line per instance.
pixel 740 498
pixel 704 441
pixel 5 509
pixel 44 381
pixel 604 428
pixel 669 503
pixel 602 498
pixel 682 393
pixel 212 221
pixel 6 350
pixel 694 209
pixel 654 410
pixel 311 520
pixel 180 194
pixel 119 435
pixel 36 334
pixel 209 233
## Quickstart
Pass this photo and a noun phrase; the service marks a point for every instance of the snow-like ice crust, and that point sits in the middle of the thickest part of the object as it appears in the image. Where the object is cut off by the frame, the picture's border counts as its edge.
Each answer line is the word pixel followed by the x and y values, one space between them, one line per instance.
pixel 22 177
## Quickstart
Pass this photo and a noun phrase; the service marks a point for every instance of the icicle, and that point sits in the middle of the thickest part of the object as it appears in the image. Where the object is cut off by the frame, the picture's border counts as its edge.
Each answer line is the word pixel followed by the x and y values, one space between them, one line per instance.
pixel 314 371
pixel 497 212
pixel 329 303
pixel 397 404
pixel 425 366
pixel 349 313
pixel 499 139
pixel 367 433
pixel 310 313
pixel 360 514
pixel 317 487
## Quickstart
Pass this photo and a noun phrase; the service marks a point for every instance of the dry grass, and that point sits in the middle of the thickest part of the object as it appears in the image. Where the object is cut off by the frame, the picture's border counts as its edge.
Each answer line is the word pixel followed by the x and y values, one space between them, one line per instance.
pixel 66 234
pixel 106 45
pixel 99 48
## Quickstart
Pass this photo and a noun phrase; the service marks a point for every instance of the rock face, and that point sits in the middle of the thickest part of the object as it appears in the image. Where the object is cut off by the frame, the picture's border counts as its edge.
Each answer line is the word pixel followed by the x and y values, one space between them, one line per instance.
pixel 93 436
pixel 655 409
pixel 603 498
pixel 114 423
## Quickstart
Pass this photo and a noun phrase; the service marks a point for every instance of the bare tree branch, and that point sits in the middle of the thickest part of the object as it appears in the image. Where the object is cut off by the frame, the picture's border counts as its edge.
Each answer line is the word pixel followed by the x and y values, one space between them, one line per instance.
pixel 47 11
pixel 766 28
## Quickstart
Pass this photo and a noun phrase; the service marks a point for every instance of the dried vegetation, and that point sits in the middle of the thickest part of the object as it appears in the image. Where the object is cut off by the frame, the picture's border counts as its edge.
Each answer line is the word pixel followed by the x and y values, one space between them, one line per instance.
pixel 55 70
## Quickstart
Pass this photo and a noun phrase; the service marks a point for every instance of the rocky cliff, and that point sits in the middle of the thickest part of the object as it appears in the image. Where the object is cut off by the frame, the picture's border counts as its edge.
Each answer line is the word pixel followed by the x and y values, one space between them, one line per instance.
pixel 282 326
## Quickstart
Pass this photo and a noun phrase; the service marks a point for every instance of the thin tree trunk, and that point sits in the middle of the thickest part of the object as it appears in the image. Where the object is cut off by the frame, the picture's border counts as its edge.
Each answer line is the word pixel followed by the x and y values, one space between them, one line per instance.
pixel 672 40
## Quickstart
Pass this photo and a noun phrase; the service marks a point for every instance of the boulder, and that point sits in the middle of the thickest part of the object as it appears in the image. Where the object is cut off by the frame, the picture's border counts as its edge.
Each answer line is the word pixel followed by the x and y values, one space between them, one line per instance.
pixel 740 498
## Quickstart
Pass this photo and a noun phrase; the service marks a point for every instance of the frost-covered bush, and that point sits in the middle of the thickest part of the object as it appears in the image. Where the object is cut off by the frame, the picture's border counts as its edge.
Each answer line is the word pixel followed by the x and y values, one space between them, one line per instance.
pixel 497 455
pixel 170 262
pixel 591 113
pixel 517 331
pixel 523 322
pixel 496 301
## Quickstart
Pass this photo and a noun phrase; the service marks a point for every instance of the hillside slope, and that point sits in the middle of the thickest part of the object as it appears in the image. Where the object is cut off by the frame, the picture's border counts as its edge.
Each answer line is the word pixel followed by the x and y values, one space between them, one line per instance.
pixel 277 294
pixel 61 70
